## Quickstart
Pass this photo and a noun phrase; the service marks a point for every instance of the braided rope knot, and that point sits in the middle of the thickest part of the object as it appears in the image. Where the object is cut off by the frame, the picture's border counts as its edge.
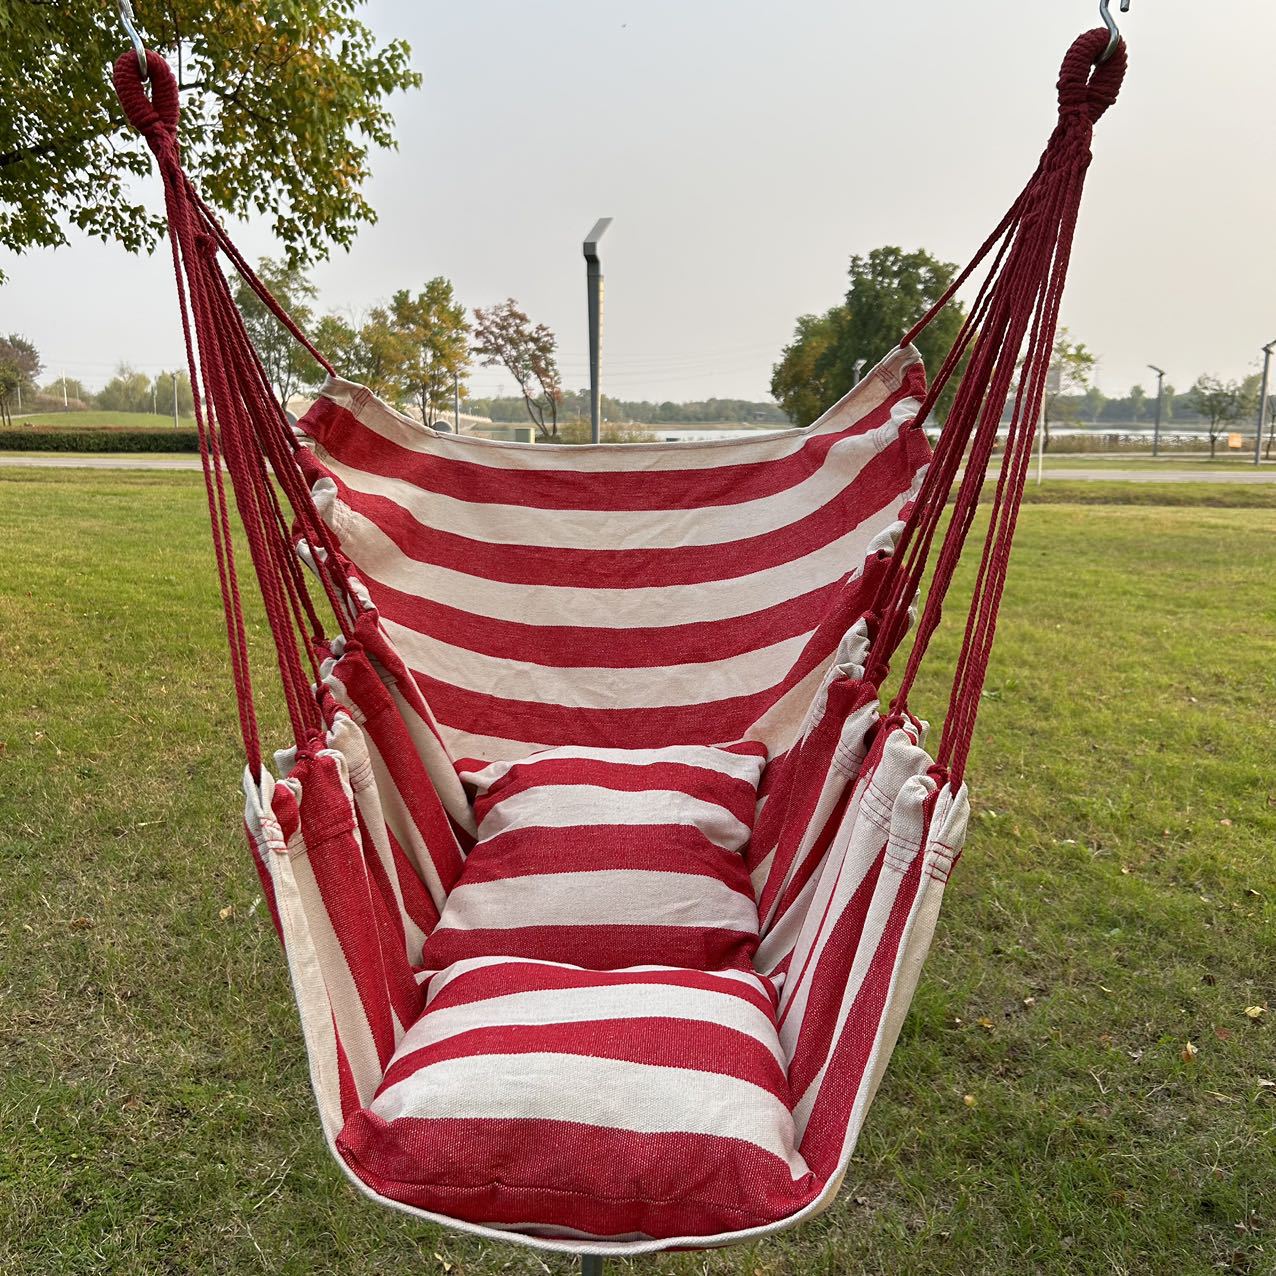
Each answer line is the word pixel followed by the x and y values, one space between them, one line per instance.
pixel 1087 86
pixel 154 116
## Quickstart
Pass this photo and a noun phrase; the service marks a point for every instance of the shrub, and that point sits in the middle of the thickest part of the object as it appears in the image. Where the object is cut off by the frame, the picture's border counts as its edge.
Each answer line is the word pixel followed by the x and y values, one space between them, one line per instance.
pixel 47 440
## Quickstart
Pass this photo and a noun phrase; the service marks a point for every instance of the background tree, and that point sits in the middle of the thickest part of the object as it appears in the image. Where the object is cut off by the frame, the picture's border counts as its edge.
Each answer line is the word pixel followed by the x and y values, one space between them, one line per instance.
pixel 287 364
pixel 1220 404
pixel 162 394
pixel 1069 379
pixel 281 104
pixel 9 381
pixel 68 390
pixel 1137 399
pixel 127 391
pixel 799 381
pixel 505 337
pixel 889 291
pixel 19 366
pixel 432 350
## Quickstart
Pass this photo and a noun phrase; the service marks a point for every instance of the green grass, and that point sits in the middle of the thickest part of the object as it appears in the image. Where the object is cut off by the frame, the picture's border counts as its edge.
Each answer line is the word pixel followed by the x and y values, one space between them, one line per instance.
pixel 95 419
pixel 1116 901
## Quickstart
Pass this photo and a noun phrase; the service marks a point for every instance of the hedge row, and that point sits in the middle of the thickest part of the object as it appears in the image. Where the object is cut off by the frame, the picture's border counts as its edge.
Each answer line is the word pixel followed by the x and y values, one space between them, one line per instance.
pixel 99 441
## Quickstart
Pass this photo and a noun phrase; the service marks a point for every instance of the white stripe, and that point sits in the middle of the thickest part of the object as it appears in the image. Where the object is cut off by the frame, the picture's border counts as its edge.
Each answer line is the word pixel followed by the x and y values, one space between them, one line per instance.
pixel 704 757
pixel 585 687
pixel 381 560
pixel 768 445
pixel 629 896
pixel 585 1005
pixel 560 806
pixel 650 529
pixel 576 1088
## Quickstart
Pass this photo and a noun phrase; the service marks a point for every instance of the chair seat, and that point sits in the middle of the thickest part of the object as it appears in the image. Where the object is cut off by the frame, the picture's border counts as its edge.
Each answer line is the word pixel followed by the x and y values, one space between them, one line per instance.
pixel 647 1102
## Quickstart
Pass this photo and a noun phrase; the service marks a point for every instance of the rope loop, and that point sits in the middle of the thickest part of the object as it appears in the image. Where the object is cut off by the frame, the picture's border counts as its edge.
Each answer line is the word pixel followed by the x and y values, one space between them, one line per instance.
pixel 1087 86
pixel 155 117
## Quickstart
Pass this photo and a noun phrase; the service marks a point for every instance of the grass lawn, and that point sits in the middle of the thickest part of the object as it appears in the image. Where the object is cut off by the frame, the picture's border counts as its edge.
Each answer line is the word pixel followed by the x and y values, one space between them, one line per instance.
pixel 94 419
pixel 1043 1113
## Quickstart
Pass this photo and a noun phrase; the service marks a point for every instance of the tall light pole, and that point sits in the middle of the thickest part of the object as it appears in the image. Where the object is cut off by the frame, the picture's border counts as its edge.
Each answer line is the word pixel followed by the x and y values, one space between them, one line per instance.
pixel 1262 401
pixel 594 286
pixel 857 370
pixel 1156 429
pixel 174 400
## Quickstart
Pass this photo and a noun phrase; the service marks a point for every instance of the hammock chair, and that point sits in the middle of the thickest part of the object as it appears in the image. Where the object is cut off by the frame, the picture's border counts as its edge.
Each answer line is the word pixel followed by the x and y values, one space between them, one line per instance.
pixel 604 871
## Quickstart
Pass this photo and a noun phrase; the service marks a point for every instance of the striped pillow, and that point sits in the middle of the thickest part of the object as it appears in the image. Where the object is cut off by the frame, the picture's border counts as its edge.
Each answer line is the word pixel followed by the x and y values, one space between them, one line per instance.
pixel 630 1103
pixel 607 858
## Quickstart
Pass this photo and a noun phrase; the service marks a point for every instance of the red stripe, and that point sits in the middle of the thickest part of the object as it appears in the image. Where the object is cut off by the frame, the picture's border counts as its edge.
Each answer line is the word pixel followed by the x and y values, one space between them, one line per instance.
pixel 832 957
pixel 601 647
pixel 615 946
pixel 328 825
pixel 502 979
pixel 880 485
pixel 341 434
pixel 600 1181
pixel 830 1118
pixel 646 728
pixel 382 722
pixel 735 795
pixel 594 848
pixel 658 1042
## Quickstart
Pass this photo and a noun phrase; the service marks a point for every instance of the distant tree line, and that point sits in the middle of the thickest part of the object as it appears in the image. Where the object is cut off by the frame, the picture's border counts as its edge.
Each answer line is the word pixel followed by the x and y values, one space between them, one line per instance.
pixel 575 405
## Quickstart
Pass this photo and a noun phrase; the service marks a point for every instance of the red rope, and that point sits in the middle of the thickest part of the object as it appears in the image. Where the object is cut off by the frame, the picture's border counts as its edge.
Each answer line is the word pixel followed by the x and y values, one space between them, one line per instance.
pixel 243 431
pixel 1017 309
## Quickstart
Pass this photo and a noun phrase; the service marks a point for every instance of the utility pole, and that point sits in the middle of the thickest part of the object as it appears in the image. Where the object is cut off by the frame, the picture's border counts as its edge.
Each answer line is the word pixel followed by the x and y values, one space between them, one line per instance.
pixel 594 287
pixel 174 400
pixel 66 407
pixel 1262 401
pixel 154 408
pixel 1156 429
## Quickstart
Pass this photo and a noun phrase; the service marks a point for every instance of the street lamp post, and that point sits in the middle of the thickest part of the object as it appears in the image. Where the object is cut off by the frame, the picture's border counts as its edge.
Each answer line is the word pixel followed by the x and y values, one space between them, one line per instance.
pixel 1156 429
pixel 594 287
pixel 1262 401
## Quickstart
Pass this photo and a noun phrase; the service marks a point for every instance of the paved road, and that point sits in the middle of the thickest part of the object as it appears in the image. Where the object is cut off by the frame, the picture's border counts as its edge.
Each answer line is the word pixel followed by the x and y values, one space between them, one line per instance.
pixel 126 461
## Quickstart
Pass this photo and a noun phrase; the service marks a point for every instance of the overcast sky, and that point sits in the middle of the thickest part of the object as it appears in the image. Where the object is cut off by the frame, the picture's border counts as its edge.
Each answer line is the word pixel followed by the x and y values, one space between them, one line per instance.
pixel 746 149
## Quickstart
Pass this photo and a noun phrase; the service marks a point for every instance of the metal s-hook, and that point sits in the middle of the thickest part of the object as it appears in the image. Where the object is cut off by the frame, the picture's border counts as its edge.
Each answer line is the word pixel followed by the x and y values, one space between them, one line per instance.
pixel 139 46
pixel 1114 32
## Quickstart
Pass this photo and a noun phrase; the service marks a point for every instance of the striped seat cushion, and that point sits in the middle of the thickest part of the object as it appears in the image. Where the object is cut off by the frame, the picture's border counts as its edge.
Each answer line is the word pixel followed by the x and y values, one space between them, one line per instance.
pixel 634 1103
pixel 607 858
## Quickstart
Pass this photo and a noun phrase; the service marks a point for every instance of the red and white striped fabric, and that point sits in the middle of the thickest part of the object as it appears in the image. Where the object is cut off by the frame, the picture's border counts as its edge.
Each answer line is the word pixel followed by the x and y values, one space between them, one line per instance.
pixel 624 1104
pixel 592 607
pixel 607 858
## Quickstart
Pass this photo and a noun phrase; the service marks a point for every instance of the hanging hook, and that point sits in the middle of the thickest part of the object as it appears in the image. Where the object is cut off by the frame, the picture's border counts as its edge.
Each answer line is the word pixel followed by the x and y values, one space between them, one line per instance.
pixel 139 46
pixel 1114 32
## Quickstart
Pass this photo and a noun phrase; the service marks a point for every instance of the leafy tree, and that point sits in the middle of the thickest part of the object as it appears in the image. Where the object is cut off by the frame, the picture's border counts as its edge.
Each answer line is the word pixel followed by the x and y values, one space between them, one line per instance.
pixel 504 337
pixel 799 381
pixel 287 364
pixel 162 393
pixel 433 352
pixel 889 291
pixel 281 104
pixel 1220 403
pixel 19 366
pixel 1137 399
pixel 10 380
pixel 1070 371
pixel 70 389
pixel 127 391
